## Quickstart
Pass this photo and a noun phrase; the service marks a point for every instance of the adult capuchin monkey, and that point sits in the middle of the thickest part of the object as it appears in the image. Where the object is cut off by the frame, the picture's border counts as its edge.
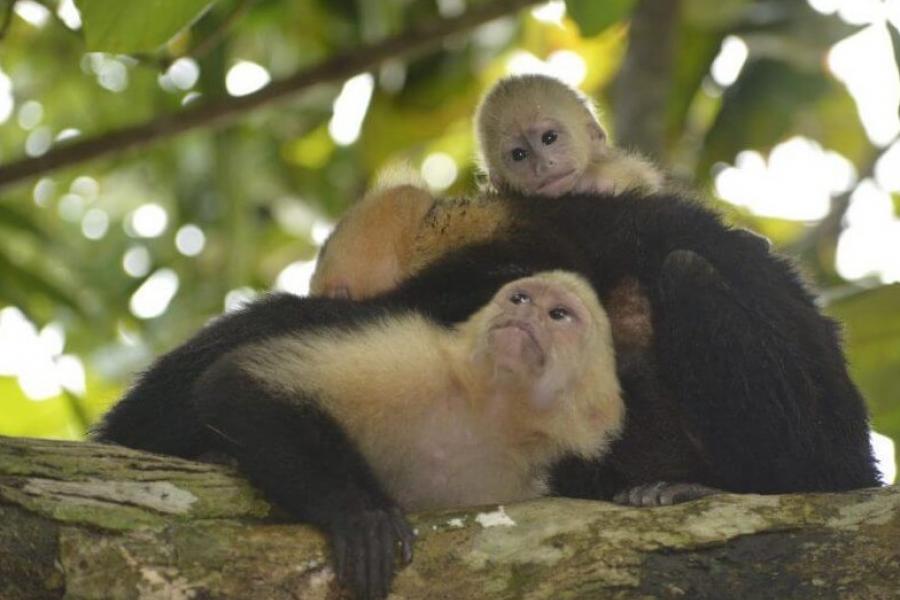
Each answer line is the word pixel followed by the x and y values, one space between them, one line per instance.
pixel 733 379
pixel 374 411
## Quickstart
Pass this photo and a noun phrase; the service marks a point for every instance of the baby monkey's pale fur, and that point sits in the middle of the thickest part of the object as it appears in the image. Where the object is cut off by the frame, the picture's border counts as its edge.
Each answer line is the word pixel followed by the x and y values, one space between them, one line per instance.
pixel 538 136
pixel 472 415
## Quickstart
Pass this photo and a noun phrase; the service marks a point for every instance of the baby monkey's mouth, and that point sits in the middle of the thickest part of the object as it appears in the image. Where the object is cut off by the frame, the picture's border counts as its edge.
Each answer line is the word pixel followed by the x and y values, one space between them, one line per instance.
pixel 558 185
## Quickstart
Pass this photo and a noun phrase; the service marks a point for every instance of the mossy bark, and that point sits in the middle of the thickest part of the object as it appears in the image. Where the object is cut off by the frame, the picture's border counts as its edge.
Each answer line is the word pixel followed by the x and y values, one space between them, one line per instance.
pixel 81 520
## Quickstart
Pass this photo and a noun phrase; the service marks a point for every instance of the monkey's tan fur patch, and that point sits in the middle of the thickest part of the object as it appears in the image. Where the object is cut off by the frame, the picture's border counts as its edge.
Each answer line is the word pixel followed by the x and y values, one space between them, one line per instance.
pixel 430 422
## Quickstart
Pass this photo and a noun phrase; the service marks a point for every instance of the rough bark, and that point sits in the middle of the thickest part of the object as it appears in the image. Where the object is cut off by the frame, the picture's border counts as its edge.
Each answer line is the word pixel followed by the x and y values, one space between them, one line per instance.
pixel 80 520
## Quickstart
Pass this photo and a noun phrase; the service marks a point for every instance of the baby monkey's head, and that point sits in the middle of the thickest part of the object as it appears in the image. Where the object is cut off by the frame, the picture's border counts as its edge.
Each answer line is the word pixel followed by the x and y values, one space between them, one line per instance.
pixel 537 135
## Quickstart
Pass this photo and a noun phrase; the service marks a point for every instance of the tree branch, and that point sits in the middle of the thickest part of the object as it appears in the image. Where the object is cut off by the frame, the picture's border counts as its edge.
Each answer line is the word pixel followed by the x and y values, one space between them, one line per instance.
pixel 223 111
pixel 80 520
pixel 640 93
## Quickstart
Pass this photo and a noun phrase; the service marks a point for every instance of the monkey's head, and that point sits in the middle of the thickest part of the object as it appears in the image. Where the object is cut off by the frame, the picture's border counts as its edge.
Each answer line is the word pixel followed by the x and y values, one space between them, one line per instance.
pixel 537 135
pixel 545 342
pixel 369 251
pixel 544 332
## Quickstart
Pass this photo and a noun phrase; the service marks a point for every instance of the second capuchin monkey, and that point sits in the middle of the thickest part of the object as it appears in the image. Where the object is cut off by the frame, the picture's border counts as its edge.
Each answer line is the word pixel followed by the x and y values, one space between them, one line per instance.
pixel 538 136
pixel 475 414
pixel 347 414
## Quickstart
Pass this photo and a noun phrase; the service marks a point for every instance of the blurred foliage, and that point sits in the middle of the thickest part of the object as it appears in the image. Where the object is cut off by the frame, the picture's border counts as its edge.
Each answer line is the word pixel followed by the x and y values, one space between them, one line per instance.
pixel 114 26
pixel 256 187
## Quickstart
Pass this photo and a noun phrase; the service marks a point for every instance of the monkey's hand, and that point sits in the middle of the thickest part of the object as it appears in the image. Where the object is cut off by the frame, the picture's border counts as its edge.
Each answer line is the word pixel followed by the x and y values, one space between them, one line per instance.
pixel 663 494
pixel 365 546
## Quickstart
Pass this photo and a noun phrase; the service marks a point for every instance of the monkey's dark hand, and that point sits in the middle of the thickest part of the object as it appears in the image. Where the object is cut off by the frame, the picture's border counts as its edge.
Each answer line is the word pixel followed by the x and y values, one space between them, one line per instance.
pixel 365 546
pixel 663 494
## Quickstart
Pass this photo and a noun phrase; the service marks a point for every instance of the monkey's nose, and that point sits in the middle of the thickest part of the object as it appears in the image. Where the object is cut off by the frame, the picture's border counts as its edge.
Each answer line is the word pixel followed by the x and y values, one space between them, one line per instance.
pixel 544 166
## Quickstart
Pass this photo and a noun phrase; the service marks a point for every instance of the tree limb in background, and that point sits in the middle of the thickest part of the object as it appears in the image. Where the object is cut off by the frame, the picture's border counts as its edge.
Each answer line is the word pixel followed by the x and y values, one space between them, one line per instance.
pixel 642 88
pixel 223 111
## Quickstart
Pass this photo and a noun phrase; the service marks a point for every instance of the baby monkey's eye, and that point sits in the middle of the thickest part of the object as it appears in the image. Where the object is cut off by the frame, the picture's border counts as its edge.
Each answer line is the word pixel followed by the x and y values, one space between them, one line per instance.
pixel 518 154
pixel 549 137
pixel 560 313
pixel 520 298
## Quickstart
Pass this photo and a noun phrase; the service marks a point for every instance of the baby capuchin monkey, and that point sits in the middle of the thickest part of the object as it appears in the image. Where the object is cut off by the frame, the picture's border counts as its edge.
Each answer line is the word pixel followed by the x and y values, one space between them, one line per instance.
pixel 474 414
pixel 538 136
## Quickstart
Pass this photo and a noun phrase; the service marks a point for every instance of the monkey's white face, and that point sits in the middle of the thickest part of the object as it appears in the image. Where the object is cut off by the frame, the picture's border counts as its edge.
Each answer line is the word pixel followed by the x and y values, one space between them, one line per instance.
pixel 537 326
pixel 545 156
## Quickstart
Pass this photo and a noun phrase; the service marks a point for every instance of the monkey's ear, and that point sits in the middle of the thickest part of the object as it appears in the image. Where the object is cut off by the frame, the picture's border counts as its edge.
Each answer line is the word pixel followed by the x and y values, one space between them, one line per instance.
pixel 597 132
pixel 597 136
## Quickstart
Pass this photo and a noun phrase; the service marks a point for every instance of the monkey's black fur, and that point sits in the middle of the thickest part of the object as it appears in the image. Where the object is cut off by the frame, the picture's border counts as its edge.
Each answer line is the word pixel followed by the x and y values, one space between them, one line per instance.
pixel 747 389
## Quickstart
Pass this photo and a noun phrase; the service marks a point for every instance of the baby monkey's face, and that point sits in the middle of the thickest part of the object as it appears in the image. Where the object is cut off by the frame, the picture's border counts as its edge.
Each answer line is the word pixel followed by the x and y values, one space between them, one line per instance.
pixel 543 155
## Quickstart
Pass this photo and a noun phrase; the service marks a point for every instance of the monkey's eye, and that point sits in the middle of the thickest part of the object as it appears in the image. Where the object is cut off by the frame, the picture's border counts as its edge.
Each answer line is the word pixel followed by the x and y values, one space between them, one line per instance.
pixel 520 298
pixel 518 154
pixel 560 313
pixel 549 137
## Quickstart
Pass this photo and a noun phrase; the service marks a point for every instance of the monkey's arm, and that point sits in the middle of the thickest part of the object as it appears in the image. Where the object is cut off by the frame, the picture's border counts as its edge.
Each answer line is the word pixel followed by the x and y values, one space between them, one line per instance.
pixel 156 414
pixel 760 377
pixel 303 460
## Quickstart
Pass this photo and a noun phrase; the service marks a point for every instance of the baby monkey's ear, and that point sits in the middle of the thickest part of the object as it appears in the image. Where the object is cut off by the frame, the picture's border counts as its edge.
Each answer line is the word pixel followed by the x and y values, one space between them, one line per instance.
pixel 597 132
pixel 597 136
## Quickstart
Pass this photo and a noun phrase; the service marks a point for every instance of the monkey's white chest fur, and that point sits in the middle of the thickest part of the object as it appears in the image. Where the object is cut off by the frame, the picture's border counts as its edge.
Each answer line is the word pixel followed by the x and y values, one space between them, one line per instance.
pixel 433 438
pixel 455 461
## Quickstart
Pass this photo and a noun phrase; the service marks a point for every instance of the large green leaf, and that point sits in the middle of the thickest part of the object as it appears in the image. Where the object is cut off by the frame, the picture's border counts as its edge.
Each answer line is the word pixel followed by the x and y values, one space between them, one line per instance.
pixel 593 17
pixel 126 27
pixel 872 329
pixel 760 108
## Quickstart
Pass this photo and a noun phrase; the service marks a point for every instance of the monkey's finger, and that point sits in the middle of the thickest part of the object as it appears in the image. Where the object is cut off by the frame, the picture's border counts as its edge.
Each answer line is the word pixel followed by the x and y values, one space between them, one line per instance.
pixel 651 494
pixel 404 532
pixel 635 495
pixel 386 552
pixel 357 576
pixel 684 492
pixel 376 584
pixel 339 551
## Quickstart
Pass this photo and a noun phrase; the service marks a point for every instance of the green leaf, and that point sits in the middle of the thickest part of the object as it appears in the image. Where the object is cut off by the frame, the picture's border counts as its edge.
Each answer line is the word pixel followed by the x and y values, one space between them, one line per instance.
pixel 767 101
pixel 872 331
pixel 593 17
pixel 126 27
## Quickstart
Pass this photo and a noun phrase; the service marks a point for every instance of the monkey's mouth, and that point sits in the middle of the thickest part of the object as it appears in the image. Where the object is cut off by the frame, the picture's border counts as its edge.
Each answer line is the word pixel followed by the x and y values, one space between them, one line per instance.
pixel 517 342
pixel 558 185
